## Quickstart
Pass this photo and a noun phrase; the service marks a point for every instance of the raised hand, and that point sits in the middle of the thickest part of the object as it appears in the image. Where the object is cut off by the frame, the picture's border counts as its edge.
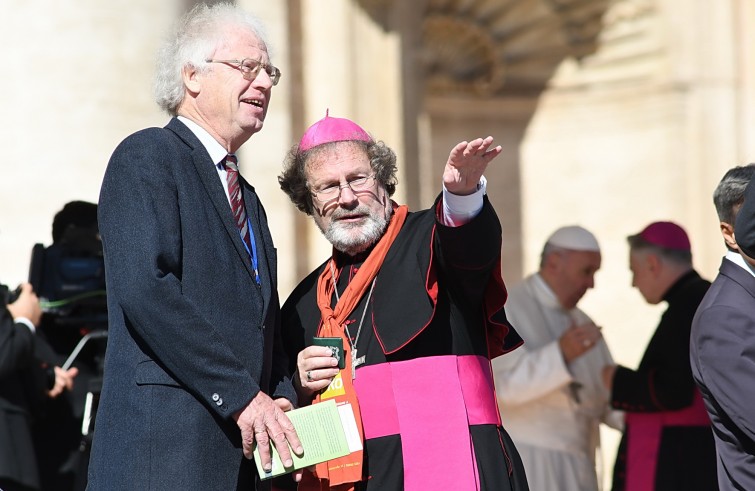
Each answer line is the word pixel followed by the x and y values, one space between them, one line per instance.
pixel 466 163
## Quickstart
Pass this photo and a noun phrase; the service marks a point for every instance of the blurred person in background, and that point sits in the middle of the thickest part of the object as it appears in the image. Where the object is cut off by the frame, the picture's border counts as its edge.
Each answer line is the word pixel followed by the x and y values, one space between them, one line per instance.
pixel 550 391
pixel 667 444
pixel 23 384
pixel 69 278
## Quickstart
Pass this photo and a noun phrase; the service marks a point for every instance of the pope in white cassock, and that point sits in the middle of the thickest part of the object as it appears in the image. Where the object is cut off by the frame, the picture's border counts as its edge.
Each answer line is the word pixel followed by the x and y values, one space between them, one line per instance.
pixel 550 391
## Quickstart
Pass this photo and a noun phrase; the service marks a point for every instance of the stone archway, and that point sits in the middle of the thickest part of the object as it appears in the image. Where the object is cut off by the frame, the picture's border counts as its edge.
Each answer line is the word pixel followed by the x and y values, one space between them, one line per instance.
pixel 479 66
pixel 487 48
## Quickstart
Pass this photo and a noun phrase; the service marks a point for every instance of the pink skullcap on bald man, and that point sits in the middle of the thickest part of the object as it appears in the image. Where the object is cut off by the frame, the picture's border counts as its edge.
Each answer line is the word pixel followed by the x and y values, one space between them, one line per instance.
pixel 667 235
pixel 329 130
pixel 574 238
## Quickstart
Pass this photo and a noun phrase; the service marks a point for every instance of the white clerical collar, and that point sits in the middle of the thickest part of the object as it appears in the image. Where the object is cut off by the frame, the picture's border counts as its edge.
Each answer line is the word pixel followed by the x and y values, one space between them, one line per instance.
pixel 215 149
pixel 549 298
pixel 544 291
pixel 737 259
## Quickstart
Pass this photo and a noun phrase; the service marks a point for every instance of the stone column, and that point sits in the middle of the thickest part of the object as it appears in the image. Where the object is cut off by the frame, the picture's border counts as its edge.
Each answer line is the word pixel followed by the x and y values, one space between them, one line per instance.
pixel 77 80
pixel 350 67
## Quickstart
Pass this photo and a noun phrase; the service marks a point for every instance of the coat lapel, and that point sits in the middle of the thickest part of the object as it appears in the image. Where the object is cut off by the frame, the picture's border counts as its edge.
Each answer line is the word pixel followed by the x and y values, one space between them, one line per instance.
pixel 266 262
pixel 209 177
pixel 738 275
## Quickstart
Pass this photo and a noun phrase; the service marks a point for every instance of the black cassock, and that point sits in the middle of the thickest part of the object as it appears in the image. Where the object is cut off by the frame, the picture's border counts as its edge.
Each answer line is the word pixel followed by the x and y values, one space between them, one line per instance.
pixel 403 323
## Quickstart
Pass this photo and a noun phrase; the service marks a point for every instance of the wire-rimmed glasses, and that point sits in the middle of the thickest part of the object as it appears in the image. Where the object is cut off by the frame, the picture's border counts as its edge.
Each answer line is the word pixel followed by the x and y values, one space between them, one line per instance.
pixel 249 68
pixel 361 183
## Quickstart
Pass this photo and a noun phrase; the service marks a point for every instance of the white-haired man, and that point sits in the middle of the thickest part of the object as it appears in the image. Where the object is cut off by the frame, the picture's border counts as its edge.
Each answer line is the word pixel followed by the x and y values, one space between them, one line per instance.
pixel 195 374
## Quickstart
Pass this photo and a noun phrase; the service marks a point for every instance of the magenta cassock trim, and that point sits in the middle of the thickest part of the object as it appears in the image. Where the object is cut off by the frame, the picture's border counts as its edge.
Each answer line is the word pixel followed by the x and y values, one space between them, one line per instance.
pixel 430 402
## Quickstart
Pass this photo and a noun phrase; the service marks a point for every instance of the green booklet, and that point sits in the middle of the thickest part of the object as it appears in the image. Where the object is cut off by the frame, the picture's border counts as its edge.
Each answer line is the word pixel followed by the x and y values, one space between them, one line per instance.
pixel 321 433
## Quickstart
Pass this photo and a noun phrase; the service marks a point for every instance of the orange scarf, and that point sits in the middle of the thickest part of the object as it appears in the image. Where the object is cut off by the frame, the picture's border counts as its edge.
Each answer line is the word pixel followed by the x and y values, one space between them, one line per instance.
pixel 343 473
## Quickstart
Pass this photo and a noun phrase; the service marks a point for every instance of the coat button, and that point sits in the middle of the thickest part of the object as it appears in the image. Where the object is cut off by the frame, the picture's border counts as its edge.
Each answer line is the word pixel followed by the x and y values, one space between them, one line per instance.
pixel 215 397
pixel 219 402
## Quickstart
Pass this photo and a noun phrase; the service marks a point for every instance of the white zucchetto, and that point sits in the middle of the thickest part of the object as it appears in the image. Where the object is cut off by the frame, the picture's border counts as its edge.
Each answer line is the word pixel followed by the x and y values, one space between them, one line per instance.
pixel 574 238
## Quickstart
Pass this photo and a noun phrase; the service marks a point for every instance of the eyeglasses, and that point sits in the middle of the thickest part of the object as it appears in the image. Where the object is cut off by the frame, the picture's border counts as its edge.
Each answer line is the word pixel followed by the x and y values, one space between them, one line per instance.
pixel 357 184
pixel 250 68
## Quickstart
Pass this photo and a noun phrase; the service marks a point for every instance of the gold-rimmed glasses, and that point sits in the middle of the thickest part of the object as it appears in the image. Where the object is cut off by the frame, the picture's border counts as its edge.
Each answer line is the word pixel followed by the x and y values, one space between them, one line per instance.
pixel 249 68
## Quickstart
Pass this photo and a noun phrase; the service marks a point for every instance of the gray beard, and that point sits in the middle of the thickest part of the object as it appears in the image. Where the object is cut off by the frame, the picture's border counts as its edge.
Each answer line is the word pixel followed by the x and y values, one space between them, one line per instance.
pixel 343 238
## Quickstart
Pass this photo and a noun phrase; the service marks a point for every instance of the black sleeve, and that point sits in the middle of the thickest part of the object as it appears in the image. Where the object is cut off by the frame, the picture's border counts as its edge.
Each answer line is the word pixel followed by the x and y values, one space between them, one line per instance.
pixel 280 378
pixel 663 381
pixel 469 253
pixel 16 344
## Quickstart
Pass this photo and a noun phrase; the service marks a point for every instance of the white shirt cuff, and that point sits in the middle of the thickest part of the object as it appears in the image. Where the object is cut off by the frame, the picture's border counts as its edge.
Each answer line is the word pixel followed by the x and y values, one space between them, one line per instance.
pixel 458 210
pixel 26 322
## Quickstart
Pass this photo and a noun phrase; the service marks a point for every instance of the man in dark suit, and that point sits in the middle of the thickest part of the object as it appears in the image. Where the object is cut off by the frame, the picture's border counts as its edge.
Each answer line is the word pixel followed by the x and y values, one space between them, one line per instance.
pixel 18 465
pixel 194 347
pixel 722 345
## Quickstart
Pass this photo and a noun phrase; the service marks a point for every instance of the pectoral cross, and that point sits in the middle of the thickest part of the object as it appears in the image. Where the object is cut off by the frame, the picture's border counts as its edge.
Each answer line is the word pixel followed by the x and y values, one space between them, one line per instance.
pixel 355 362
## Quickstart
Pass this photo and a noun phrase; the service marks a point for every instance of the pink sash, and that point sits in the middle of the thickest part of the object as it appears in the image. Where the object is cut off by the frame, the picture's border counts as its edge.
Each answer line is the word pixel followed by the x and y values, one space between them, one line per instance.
pixel 430 402
pixel 644 440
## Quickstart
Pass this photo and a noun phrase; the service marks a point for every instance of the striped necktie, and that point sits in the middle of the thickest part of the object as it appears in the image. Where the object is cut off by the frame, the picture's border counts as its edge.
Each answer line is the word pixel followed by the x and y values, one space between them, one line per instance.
pixel 239 211
pixel 237 203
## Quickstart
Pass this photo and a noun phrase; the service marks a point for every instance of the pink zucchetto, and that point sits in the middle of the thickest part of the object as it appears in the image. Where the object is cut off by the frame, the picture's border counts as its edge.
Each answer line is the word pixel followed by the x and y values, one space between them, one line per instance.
pixel 668 235
pixel 329 130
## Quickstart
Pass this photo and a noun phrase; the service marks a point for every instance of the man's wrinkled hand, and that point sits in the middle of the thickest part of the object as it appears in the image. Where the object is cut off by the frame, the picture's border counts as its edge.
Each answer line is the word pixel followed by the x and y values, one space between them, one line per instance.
pixel 262 422
pixel 286 405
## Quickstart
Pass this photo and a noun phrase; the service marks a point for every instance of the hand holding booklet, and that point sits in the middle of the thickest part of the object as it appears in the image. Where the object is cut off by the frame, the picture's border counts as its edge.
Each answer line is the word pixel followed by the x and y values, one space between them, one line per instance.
pixel 325 431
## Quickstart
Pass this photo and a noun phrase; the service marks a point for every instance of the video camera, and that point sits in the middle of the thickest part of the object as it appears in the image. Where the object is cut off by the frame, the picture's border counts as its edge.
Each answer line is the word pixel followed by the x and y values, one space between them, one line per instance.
pixel 69 278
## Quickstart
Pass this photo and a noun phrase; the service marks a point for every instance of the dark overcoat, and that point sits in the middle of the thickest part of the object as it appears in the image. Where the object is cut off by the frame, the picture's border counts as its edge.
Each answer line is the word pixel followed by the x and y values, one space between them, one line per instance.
pixel 17 460
pixel 192 336
pixel 722 352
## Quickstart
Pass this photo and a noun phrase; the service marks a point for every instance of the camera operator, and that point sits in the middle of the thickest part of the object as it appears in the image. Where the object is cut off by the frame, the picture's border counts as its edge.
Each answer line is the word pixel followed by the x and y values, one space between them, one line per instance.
pixel 68 276
pixel 23 385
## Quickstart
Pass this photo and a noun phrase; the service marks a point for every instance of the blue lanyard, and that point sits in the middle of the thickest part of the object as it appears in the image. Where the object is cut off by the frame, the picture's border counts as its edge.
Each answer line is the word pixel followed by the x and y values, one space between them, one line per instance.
pixel 253 252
